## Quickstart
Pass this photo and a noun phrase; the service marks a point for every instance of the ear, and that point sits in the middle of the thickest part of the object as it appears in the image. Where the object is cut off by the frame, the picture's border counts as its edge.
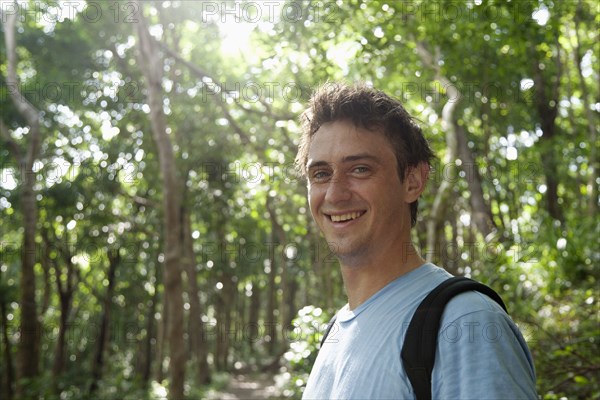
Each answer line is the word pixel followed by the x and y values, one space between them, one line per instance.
pixel 415 181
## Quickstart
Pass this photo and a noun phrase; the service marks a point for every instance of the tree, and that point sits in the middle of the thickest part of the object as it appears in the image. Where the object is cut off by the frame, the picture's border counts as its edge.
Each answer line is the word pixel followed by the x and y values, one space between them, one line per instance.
pixel 28 354
pixel 152 67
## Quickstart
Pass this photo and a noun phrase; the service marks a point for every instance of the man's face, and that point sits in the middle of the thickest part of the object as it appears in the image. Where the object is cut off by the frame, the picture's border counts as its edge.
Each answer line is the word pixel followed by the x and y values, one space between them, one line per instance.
pixel 355 194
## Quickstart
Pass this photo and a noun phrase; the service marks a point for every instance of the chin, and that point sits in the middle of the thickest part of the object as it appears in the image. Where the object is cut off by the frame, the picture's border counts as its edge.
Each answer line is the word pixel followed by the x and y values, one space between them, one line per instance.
pixel 348 255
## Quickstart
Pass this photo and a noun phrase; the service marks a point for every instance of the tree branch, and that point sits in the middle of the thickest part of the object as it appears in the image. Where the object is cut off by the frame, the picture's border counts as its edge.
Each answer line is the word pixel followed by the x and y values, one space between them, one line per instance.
pixel 201 74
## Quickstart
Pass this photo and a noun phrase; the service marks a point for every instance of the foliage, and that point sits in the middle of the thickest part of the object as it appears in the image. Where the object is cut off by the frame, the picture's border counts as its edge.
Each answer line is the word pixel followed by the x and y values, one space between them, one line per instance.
pixel 309 327
pixel 566 345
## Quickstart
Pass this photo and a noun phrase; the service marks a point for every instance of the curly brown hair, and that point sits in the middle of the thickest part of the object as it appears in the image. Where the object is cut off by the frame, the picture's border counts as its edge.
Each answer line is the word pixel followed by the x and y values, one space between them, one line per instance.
pixel 370 109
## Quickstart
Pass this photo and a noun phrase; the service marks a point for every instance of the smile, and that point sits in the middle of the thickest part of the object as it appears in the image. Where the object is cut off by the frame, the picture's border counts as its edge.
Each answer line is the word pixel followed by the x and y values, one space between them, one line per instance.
pixel 346 217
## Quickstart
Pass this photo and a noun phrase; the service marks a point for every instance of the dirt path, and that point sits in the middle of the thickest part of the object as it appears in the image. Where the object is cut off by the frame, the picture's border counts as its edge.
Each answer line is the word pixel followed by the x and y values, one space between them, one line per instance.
pixel 243 387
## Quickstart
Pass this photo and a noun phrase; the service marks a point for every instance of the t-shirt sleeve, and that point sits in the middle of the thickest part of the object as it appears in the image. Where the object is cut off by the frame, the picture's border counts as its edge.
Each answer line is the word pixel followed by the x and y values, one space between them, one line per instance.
pixel 481 354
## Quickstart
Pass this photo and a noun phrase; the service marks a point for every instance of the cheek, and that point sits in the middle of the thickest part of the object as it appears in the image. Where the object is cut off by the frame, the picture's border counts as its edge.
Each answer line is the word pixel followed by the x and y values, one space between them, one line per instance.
pixel 312 200
pixel 390 202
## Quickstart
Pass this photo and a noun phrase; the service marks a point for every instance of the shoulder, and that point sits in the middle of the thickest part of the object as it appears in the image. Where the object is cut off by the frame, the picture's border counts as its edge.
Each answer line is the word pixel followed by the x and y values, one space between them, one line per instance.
pixel 475 314
pixel 471 302
pixel 481 352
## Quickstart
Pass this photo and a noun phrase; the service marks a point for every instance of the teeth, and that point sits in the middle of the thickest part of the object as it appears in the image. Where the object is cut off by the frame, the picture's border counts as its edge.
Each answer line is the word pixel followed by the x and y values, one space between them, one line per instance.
pixel 345 217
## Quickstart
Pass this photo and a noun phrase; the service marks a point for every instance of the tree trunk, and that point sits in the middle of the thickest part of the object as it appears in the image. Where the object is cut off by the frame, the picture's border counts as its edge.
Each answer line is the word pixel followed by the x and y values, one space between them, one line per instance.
pixel 225 335
pixel 287 291
pixel 220 335
pixel 161 342
pixel 6 387
pixel 196 327
pixel 481 212
pixel 151 64
pixel 146 367
pixel 59 355
pixel 270 315
pixel 114 259
pixel 220 299
pixel 28 348
pixel 146 358
pixel 440 203
pixel 291 302
pixel 253 331
pixel 46 267
pixel 594 164
pixel 231 332
pixel 451 251
pixel 65 279
pixel 547 116
pixel 546 102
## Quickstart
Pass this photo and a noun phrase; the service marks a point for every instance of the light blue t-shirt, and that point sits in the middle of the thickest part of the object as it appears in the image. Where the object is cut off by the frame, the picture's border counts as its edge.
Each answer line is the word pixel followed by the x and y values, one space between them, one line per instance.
pixel 481 353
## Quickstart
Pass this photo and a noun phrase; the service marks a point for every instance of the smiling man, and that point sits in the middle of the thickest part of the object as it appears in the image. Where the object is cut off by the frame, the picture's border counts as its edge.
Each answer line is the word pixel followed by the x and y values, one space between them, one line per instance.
pixel 366 162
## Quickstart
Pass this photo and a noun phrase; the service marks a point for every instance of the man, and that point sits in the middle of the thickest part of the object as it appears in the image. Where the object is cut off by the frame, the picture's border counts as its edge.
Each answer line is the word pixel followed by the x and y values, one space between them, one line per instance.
pixel 366 162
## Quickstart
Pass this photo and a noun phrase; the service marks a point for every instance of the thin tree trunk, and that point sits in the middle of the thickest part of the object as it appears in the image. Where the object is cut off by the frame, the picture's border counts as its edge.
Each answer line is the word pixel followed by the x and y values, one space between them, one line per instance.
pixel 253 329
pixel 151 64
pixel 481 210
pixel 231 332
pixel 279 233
pixel 594 164
pixel 46 267
pixel 147 358
pixel 114 259
pixel 65 279
pixel 147 346
pixel 225 299
pixel 270 317
pixel 161 343
pixel 59 354
pixel 440 203
pixel 280 318
pixel 291 302
pixel 547 109
pixel 220 336
pixel 451 250
pixel 28 348
pixel 8 363
pixel 196 330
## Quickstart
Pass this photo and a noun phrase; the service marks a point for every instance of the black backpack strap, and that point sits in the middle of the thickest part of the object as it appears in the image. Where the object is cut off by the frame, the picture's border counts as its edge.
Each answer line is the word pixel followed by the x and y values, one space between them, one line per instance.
pixel 420 343
pixel 328 329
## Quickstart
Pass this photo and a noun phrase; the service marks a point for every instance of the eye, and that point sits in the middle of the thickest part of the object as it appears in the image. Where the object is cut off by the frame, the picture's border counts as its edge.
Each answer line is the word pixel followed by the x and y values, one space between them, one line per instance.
pixel 361 169
pixel 319 175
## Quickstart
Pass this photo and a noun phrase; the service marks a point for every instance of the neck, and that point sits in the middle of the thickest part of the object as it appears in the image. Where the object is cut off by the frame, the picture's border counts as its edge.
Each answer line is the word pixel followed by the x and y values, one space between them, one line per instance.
pixel 364 280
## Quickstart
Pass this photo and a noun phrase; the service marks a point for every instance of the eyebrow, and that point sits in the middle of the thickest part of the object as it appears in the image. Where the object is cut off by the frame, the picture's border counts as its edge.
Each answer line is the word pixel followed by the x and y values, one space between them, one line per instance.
pixel 345 160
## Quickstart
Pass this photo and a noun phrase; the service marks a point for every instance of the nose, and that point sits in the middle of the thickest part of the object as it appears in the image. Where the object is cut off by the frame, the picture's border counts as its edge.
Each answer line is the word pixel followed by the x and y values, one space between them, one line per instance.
pixel 338 190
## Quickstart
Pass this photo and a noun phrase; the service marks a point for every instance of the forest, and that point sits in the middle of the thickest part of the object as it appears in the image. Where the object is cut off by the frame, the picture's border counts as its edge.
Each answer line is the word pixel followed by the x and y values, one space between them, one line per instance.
pixel 155 238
